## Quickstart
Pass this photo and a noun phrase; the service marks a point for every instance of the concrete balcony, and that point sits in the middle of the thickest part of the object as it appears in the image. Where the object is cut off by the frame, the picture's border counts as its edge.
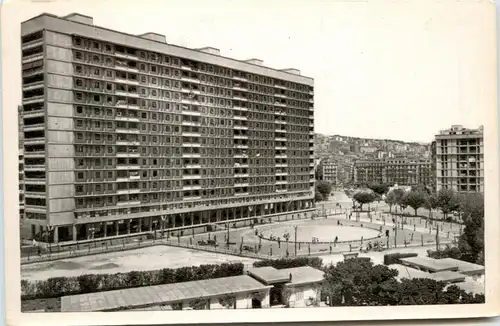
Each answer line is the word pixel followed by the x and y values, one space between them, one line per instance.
pixel 191 176
pixel 128 203
pixel 280 130
pixel 191 145
pixel 33 57
pixel 192 198
pixel 191 80
pixel 32 44
pixel 241 194
pixel 240 127
pixel 281 174
pixel 191 134
pixel 238 88
pixel 239 117
pixel 193 166
pixel 34 154
pixel 281 182
pixel 33 181
pixel 39 126
pixel 191 113
pixel 281 165
pixel 191 187
pixel 281 190
pixel 39 167
pixel 240 78
pixel 128 167
pixel 128 142
pixel 240 98
pixel 193 155
pixel 237 107
pixel 282 148
pixel 280 95
pixel 126 81
pixel 191 123
pixel 128 94
pixel 241 184
pixel 34 114
pixel 280 139
pixel 35 194
pixel 126 68
pixel 35 85
pixel 34 99
pixel 137 154
pixel 127 131
pixel 241 175
pixel 280 122
pixel 240 137
pixel 128 191
pixel 241 146
pixel 281 156
pixel 34 141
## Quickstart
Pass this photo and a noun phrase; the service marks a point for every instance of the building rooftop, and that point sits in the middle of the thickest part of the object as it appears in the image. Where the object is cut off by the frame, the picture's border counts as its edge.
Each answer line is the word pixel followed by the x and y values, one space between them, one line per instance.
pixel 269 275
pixel 464 267
pixel 408 272
pixel 158 43
pixel 447 276
pixel 304 275
pixel 159 294
pixel 429 264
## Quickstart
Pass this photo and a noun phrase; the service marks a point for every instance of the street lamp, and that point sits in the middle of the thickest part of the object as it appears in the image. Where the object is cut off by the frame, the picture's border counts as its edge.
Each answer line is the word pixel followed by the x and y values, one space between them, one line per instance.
pixel 295 242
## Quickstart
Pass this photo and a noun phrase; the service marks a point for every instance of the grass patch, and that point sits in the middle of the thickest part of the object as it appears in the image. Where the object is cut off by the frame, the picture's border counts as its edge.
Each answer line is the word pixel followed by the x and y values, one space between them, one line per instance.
pixel 45 305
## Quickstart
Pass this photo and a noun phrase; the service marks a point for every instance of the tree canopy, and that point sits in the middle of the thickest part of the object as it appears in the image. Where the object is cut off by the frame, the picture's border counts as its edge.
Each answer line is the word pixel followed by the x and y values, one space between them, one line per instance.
pixel 364 197
pixel 325 188
pixel 447 201
pixel 357 282
pixel 415 199
pixel 380 189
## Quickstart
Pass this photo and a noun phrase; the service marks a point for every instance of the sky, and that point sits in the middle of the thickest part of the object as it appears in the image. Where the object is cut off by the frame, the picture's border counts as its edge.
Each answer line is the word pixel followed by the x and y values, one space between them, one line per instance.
pixel 382 69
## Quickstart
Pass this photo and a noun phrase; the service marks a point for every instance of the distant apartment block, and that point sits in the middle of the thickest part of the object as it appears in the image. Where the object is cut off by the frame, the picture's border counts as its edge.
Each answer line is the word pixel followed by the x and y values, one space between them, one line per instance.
pixel 368 172
pixel 329 171
pixel 460 159
pixel 408 172
pixel 393 171
pixel 126 133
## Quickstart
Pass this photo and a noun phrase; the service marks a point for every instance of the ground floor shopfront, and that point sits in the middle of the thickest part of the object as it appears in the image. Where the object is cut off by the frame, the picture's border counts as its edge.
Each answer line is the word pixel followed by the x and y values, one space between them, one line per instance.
pixel 170 224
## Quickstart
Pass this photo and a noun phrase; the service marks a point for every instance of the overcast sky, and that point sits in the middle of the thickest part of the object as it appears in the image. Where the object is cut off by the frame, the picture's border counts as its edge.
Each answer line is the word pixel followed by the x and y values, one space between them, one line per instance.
pixel 397 69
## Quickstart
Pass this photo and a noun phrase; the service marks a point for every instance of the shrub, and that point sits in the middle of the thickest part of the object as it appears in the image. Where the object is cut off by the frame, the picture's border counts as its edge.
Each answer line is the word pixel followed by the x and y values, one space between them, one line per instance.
pixel 282 263
pixel 61 286
pixel 390 259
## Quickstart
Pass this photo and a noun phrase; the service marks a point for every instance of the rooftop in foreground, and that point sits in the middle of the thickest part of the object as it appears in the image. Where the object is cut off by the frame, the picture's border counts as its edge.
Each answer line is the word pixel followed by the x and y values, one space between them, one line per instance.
pixel 159 294
pixel 429 264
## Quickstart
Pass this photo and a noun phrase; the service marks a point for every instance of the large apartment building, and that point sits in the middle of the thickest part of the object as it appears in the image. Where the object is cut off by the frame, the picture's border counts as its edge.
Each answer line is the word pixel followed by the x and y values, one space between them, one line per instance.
pixel 460 159
pixel 329 171
pixel 126 133
pixel 402 171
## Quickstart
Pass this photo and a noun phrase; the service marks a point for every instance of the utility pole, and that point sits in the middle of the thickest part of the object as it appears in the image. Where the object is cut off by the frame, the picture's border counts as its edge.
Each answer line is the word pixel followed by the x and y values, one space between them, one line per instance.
pixel 295 242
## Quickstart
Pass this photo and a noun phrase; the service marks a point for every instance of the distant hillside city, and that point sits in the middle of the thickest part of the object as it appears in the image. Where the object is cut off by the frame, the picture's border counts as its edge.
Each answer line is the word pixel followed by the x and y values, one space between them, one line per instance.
pixel 455 163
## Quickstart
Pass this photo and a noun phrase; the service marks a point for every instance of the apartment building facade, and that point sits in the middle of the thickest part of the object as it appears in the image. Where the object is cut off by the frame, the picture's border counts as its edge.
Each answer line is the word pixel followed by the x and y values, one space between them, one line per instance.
pixel 329 171
pixel 393 171
pixel 408 172
pixel 127 133
pixel 460 159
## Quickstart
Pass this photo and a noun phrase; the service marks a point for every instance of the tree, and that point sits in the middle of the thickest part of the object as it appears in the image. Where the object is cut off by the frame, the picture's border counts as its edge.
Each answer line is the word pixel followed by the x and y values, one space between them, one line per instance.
pixel 380 189
pixel 414 199
pixel 431 202
pixel 357 282
pixel 471 242
pixel 447 201
pixel 364 197
pixel 325 188
pixel 318 196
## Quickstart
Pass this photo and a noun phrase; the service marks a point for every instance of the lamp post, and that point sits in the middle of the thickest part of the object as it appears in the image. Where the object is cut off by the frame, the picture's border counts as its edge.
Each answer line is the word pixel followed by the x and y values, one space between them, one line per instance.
pixel 295 242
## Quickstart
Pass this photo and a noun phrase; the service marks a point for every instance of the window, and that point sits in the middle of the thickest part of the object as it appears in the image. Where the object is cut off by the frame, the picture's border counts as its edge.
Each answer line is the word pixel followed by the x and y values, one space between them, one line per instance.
pixel 78 55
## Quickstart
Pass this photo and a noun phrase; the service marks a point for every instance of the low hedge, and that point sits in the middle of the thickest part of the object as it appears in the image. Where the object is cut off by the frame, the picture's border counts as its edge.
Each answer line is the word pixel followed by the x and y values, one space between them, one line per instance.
pixel 291 262
pixel 390 259
pixel 62 286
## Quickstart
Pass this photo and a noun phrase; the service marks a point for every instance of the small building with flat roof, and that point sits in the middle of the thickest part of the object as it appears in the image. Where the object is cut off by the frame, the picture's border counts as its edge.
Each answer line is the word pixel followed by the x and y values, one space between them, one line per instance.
pixel 429 264
pixel 304 286
pixel 236 292
pixel 447 277
pixel 466 268
pixel 295 287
